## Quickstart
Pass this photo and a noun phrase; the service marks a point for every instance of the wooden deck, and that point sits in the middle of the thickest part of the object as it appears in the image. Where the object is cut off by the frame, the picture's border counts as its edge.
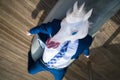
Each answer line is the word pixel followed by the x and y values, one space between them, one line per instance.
pixel 17 16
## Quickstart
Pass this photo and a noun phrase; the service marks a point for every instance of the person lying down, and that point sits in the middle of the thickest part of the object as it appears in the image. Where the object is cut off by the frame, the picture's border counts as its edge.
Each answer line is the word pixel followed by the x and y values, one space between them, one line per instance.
pixel 65 41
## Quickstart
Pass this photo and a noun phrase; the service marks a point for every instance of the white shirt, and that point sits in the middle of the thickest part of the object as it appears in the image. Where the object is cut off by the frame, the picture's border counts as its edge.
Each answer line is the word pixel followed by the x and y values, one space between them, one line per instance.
pixel 66 60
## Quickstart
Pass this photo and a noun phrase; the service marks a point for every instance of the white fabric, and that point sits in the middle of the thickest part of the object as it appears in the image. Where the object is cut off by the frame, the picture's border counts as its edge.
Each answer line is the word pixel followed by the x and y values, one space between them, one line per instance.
pixel 66 60
pixel 74 22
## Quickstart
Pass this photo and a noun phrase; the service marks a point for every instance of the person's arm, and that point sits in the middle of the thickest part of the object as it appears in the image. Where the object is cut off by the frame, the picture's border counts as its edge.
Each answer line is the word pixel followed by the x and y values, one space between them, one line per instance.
pixel 88 43
pixel 86 52
pixel 45 28
pixel 39 29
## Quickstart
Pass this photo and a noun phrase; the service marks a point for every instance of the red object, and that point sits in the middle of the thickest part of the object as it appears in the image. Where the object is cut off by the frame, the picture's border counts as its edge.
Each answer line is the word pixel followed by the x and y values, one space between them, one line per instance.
pixel 52 44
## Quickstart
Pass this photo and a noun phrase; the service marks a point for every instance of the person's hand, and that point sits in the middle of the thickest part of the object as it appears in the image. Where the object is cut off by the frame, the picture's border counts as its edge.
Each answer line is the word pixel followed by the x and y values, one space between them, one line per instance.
pixel 28 33
pixel 87 56
pixel 85 59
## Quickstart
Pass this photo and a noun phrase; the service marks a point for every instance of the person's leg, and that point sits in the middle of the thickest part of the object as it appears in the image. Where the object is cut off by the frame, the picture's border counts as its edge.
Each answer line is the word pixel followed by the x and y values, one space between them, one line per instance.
pixel 33 67
pixel 58 74
pixel 30 60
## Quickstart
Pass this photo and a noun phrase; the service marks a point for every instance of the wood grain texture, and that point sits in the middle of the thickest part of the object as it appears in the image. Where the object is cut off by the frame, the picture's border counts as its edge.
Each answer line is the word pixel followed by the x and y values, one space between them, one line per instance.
pixel 17 16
